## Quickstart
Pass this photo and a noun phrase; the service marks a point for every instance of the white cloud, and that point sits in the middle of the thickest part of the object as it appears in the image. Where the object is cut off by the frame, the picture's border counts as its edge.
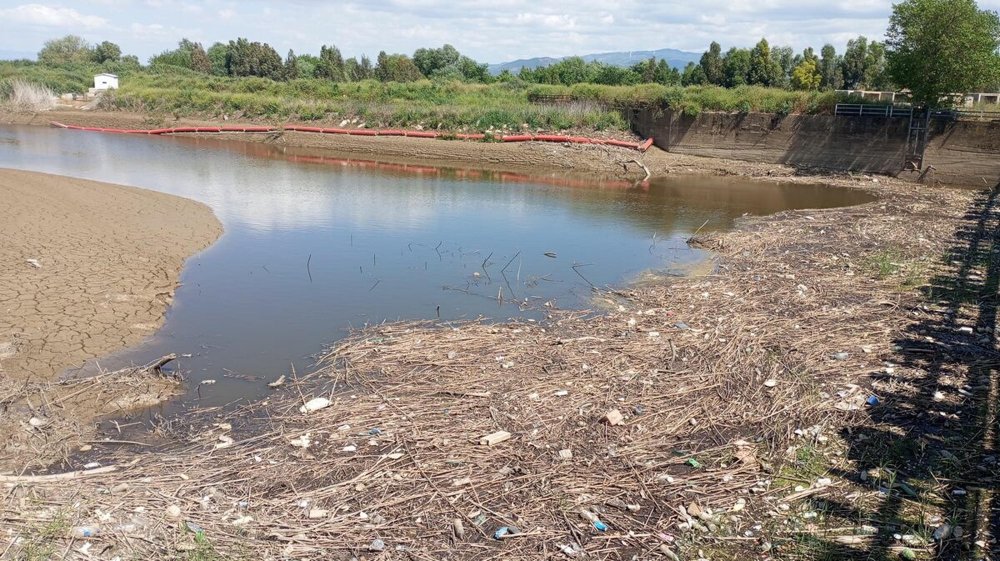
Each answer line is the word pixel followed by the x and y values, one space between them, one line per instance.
pixel 487 30
pixel 50 16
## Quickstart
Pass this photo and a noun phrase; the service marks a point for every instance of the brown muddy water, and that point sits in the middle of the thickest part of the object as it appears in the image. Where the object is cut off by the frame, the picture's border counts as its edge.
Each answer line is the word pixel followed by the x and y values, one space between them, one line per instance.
pixel 316 244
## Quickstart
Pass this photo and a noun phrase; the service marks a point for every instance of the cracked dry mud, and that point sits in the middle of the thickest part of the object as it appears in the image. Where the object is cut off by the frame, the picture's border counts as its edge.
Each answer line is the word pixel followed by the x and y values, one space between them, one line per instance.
pixel 109 261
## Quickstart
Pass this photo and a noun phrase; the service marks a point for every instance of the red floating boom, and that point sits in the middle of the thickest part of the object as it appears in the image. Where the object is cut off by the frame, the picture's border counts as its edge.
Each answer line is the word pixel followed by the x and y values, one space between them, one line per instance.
pixel 641 147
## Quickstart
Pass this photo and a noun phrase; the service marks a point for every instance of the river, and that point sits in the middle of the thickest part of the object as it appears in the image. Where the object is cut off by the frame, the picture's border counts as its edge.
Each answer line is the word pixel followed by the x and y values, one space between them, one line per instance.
pixel 316 244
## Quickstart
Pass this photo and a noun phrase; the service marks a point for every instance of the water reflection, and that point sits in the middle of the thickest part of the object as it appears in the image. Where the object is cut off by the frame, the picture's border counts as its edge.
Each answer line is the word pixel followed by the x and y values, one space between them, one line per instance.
pixel 316 243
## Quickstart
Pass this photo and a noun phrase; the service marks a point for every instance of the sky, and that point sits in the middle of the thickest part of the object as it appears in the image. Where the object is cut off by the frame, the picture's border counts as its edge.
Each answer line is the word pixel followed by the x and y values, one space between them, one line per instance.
pixel 486 30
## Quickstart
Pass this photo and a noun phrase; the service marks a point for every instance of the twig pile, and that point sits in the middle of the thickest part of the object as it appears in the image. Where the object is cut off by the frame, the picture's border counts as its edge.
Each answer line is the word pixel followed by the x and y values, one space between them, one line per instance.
pixel 632 434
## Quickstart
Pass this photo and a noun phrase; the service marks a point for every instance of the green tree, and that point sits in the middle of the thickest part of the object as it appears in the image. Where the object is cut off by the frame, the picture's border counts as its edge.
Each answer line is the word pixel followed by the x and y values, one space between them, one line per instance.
pixel 666 74
pixel 106 51
pixel 737 67
pixel 291 69
pixel 217 53
pixel 245 58
pixel 396 68
pixel 693 75
pixel 938 47
pixel 331 64
pixel 876 75
pixel 617 76
pixel 763 70
pixel 853 65
pixel 306 65
pixel 806 75
pixel 430 61
pixel 782 64
pixel 646 69
pixel 829 68
pixel 713 65
pixel 65 50
pixel 182 56
pixel 199 59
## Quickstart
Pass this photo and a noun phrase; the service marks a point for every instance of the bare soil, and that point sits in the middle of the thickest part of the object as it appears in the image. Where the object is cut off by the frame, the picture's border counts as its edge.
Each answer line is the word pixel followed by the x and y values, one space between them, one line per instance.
pixel 86 269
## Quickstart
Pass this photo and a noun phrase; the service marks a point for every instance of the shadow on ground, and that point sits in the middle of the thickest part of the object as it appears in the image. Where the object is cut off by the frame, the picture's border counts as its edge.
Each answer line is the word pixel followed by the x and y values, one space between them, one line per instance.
pixel 928 459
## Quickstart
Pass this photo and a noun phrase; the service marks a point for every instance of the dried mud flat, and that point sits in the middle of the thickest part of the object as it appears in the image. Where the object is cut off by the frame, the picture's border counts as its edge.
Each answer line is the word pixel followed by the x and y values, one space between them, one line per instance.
pixel 708 417
pixel 86 268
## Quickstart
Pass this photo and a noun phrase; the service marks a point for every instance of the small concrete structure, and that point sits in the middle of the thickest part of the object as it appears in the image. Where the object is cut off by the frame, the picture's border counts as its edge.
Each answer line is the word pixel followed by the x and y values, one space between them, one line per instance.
pixel 106 82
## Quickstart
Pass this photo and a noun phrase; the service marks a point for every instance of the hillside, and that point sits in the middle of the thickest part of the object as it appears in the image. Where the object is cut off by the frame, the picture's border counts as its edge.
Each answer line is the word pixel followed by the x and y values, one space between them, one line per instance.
pixel 677 59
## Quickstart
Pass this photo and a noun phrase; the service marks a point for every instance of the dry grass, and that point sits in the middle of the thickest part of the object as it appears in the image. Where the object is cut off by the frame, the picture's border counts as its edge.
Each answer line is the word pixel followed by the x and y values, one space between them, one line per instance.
pixel 24 96
pixel 718 378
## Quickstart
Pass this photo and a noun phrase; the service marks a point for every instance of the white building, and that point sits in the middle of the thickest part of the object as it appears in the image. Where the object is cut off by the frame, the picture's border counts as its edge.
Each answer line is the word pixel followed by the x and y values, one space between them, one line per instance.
pixel 106 82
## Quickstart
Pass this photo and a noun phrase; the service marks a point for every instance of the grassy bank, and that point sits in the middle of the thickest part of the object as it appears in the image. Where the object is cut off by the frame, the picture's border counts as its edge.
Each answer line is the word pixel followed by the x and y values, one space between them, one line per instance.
pixel 448 105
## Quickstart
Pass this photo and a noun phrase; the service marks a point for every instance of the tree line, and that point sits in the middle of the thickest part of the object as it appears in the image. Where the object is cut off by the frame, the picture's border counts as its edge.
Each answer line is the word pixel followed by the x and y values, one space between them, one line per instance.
pixel 932 47
pixel 862 65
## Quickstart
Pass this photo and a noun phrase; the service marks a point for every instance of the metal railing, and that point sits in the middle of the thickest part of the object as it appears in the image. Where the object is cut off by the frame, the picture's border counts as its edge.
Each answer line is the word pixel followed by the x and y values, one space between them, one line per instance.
pixel 880 110
pixel 872 110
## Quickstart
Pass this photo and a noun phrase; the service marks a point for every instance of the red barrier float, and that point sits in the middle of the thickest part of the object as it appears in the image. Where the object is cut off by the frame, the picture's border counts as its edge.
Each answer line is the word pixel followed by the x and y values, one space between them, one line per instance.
pixel 421 134
pixel 642 147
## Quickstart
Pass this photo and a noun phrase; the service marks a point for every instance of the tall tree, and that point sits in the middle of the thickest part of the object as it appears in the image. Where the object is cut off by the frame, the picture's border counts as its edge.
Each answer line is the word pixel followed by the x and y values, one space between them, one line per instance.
pixel 65 50
pixel 853 65
pixel 938 47
pixel 106 51
pixel 737 67
pixel 396 68
pixel 431 61
pixel 713 65
pixel 806 75
pixel 829 68
pixel 782 62
pixel 199 59
pixel 331 64
pixel 876 76
pixel 217 54
pixel 291 66
pixel 763 70
pixel 244 58
pixel 694 75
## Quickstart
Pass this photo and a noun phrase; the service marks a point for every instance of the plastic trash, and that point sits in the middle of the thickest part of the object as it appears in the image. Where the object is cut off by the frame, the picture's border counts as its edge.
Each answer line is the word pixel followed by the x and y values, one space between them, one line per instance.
pixel 495 438
pixel 375 432
pixel 376 545
pixel 315 404
pixel 872 401
pixel 501 532
pixel 86 531
pixel 598 525
pixel 693 463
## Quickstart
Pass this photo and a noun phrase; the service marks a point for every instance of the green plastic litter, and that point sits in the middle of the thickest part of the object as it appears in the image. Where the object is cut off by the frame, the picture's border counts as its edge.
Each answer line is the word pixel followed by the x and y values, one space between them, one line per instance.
pixel 694 463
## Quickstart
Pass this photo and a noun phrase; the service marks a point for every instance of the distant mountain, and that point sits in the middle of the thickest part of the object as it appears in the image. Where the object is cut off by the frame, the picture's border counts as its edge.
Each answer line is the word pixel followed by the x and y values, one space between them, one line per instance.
pixel 677 59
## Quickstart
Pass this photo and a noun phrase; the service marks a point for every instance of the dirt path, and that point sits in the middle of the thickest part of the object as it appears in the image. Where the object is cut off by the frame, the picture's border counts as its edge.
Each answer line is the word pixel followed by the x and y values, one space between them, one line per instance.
pixel 86 268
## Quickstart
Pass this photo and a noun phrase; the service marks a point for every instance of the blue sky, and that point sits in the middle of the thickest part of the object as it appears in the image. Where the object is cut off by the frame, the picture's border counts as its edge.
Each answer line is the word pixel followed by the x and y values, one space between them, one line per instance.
pixel 487 30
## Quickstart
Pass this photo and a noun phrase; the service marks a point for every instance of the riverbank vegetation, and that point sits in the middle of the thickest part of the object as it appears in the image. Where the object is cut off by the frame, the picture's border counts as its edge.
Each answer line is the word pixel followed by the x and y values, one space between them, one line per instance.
pixel 442 88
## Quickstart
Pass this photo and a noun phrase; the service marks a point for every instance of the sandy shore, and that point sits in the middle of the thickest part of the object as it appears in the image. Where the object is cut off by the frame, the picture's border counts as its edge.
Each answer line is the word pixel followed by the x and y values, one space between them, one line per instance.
pixel 86 268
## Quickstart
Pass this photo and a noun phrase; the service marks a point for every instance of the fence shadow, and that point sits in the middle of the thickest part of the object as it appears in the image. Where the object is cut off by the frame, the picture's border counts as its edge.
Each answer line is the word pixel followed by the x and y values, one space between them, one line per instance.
pixel 931 451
